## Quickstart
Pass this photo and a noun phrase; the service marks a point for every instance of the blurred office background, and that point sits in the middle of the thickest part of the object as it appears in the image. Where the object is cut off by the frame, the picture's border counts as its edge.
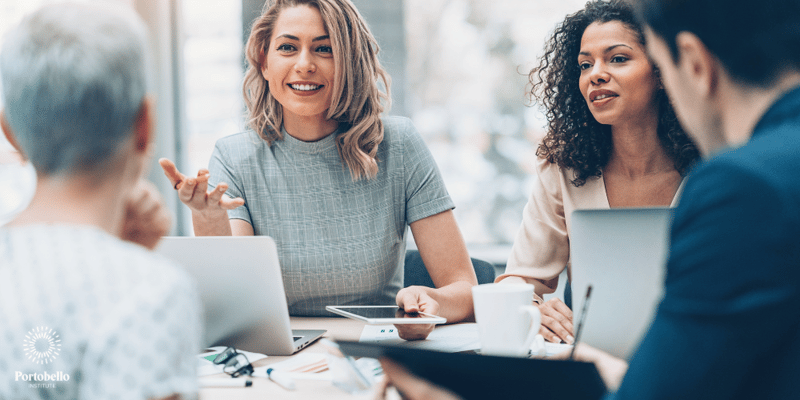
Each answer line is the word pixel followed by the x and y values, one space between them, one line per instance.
pixel 459 71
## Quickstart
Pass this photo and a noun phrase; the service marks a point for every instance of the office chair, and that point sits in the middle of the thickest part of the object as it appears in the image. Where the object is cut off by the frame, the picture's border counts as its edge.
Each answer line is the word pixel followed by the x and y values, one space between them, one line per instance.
pixel 416 274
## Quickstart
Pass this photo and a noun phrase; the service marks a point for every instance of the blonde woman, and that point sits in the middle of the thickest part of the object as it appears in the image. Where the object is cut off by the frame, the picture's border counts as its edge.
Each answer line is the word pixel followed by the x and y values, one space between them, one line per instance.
pixel 333 182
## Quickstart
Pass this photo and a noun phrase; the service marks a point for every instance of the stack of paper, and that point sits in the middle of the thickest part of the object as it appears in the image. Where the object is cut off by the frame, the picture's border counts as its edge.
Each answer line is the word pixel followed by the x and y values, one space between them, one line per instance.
pixel 301 366
pixel 448 338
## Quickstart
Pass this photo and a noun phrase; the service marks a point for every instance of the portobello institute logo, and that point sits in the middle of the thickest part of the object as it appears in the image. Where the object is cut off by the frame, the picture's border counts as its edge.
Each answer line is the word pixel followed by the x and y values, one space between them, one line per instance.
pixel 42 345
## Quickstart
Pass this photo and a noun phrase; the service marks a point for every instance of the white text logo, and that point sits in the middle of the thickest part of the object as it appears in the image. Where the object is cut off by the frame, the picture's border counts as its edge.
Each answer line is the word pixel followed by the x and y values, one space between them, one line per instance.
pixel 42 376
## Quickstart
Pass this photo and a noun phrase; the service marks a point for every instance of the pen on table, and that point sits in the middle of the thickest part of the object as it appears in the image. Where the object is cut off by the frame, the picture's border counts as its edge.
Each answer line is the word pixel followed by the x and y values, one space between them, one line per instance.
pixel 281 379
pixel 224 382
pixel 580 323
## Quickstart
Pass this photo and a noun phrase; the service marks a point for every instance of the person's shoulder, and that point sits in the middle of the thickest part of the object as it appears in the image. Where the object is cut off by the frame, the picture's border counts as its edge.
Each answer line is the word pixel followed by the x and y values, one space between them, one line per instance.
pixel 151 278
pixel 397 123
pixel 241 141
pixel 399 130
pixel 240 147
pixel 132 263
pixel 726 169
pixel 145 267
pixel 95 255
pixel 145 259
pixel 553 173
pixel 758 175
pixel 776 146
pixel 543 166
pixel 773 158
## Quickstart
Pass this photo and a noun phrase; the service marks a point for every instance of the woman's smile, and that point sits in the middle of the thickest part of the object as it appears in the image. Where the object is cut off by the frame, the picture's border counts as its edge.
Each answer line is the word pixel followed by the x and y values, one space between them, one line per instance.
pixel 305 88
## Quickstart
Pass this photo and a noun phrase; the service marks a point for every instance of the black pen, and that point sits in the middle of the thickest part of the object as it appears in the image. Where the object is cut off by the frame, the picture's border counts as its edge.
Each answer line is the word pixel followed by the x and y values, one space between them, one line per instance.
pixel 580 323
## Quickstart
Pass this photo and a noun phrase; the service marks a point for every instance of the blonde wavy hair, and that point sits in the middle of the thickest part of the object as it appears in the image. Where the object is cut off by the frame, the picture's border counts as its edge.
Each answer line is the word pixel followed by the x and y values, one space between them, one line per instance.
pixel 357 100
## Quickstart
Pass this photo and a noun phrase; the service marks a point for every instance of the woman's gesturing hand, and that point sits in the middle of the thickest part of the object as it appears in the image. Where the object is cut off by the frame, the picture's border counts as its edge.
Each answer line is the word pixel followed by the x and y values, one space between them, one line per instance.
pixel 194 191
pixel 556 321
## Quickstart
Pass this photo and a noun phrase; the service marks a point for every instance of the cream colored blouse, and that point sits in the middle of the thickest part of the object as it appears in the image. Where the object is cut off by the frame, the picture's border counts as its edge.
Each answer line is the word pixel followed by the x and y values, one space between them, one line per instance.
pixel 541 248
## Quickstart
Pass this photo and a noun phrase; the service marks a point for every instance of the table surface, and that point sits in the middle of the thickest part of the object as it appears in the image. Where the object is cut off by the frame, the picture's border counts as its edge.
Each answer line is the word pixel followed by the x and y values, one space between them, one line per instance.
pixel 337 328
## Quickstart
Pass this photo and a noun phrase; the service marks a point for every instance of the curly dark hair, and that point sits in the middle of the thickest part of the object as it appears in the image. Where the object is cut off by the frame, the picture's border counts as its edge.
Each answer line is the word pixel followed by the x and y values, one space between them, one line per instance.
pixel 575 139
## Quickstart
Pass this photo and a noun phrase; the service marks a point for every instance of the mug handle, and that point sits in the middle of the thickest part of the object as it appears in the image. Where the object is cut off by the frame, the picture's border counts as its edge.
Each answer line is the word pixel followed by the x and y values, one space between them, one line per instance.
pixel 536 321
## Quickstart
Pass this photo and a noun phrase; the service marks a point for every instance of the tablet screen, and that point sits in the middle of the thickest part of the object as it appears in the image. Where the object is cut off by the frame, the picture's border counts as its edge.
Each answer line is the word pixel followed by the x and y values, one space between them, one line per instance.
pixel 385 315
pixel 380 312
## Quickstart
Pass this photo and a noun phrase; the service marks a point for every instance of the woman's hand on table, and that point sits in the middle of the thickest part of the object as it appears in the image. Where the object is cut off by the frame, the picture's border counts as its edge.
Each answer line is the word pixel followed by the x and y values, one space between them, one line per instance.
pixel 146 217
pixel 414 299
pixel 410 386
pixel 193 191
pixel 556 321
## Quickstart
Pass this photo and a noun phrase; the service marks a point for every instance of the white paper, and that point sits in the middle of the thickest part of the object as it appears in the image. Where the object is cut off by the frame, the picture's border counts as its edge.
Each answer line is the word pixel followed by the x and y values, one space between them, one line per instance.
pixel 447 338
pixel 313 376
pixel 556 348
pixel 296 363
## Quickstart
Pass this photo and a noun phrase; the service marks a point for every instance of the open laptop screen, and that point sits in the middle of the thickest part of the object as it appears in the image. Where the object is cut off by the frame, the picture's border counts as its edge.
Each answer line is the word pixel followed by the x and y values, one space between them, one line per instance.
pixel 622 253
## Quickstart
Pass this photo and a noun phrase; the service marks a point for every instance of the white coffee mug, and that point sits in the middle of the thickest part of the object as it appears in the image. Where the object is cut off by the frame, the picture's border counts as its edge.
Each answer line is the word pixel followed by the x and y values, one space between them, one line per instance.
pixel 507 321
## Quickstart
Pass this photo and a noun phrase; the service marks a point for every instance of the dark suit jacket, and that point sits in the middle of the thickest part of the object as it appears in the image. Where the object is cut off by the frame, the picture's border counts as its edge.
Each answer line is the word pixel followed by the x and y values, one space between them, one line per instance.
pixel 729 323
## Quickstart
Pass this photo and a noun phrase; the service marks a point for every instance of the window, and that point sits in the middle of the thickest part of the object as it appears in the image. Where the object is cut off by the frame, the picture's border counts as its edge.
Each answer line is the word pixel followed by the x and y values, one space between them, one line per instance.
pixel 212 78
pixel 467 89
pixel 459 70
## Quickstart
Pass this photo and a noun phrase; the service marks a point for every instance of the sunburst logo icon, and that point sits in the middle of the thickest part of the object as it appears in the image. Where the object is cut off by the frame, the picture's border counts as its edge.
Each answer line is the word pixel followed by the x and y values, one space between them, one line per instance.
pixel 42 345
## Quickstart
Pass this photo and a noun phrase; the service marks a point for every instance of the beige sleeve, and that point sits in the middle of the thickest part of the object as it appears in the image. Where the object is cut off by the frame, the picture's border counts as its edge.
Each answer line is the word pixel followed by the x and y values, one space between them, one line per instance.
pixel 541 248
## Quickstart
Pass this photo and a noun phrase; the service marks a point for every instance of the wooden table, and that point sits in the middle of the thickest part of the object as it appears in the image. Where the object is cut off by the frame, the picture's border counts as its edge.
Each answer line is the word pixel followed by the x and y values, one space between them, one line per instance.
pixel 263 388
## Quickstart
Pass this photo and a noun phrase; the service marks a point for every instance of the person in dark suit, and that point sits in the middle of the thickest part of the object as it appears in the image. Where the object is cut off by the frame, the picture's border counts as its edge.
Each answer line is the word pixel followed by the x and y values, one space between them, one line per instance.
pixel 729 323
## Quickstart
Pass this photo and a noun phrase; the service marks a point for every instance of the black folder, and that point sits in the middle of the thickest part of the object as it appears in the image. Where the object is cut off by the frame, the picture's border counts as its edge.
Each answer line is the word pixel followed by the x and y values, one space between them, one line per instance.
pixel 474 376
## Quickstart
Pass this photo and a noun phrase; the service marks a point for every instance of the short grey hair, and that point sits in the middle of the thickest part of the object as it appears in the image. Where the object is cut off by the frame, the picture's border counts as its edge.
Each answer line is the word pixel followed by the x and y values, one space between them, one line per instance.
pixel 74 80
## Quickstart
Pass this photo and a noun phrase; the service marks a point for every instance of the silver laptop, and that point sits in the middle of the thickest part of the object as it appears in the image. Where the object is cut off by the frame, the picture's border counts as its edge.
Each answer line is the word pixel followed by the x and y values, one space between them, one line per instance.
pixel 240 283
pixel 622 253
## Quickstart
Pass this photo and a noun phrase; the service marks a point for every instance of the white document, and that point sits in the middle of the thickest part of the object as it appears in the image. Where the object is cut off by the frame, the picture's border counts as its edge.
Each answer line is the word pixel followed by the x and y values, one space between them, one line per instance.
pixel 556 348
pixel 313 366
pixel 447 338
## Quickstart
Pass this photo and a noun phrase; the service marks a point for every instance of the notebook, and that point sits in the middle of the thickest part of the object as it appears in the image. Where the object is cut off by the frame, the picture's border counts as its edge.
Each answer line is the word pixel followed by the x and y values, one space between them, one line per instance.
pixel 474 376
pixel 622 253
pixel 240 284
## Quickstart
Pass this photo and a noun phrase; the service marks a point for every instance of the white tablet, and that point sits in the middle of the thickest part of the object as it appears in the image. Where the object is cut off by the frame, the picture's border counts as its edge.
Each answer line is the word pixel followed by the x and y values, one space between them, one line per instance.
pixel 383 315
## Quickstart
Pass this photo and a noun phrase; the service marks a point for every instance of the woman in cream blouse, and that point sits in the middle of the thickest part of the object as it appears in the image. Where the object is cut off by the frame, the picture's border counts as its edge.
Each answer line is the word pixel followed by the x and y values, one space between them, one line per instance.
pixel 612 141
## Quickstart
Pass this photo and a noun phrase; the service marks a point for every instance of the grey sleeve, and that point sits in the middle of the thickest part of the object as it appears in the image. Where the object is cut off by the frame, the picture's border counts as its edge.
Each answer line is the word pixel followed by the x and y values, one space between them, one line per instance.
pixel 222 169
pixel 426 193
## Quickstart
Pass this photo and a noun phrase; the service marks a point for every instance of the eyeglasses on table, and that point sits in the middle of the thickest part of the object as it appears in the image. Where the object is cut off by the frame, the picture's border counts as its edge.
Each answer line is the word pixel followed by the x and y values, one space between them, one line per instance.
pixel 234 363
